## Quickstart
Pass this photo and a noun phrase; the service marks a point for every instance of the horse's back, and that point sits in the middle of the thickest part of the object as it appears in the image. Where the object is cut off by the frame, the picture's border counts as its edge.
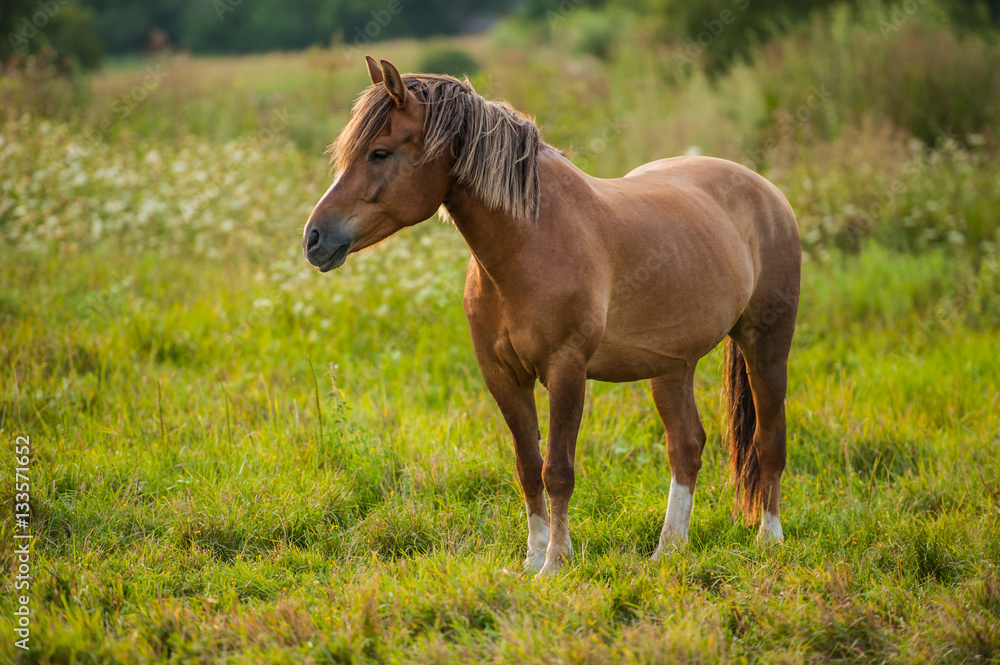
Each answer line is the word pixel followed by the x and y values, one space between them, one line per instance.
pixel 758 211
pixel 743 194
pixel 705 195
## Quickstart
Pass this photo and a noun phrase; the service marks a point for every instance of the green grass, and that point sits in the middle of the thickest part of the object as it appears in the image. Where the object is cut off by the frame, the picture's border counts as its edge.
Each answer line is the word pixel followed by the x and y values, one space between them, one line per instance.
pixel 237 459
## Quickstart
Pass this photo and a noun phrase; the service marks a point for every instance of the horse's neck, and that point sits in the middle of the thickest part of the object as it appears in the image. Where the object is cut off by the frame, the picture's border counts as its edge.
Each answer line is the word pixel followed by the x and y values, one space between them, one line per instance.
pixel 497 239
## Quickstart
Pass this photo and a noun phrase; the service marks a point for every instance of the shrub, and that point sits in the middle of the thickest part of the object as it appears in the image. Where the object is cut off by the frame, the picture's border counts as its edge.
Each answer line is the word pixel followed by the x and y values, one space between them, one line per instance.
pixel 594 33
pixel 926 80
pixel 449 60
pixel 64 30
pixel 719 32
pixel 36 85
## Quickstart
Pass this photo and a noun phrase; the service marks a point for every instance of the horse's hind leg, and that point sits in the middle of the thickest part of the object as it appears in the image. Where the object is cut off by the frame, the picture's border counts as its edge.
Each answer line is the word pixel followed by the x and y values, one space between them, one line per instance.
pixel 764 336
pixel 673 395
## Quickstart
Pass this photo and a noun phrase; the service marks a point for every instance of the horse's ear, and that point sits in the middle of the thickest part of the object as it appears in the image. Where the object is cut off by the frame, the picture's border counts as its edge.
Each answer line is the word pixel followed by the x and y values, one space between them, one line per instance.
pixel 373 70
pixel 394 83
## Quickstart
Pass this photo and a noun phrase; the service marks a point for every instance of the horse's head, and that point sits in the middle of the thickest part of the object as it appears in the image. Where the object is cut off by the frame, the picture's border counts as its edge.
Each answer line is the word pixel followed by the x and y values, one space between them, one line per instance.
pixel 385 182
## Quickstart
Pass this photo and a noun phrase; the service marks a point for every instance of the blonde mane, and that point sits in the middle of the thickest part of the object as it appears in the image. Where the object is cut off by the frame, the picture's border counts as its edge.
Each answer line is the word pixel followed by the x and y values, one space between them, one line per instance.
pixel 494 145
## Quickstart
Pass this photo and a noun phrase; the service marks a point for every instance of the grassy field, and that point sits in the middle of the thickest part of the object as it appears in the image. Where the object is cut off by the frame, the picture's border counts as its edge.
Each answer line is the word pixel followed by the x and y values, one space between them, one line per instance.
pixel 237 459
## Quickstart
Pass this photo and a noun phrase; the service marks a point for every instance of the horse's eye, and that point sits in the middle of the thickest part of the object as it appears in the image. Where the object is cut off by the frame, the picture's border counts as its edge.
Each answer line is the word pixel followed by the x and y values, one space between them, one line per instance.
pixel 378 155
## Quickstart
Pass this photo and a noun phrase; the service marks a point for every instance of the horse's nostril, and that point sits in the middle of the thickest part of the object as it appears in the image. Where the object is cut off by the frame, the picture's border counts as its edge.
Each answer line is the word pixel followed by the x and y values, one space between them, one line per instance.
pixel 313 240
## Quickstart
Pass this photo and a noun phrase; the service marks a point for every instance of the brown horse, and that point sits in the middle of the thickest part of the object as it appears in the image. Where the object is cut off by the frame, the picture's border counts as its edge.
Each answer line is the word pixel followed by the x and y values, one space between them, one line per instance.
pixel 575 278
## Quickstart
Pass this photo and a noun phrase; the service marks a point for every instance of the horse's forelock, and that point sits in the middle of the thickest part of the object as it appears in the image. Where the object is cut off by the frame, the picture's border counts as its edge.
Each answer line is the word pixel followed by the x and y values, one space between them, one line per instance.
pixel 495 146
pixel 369 115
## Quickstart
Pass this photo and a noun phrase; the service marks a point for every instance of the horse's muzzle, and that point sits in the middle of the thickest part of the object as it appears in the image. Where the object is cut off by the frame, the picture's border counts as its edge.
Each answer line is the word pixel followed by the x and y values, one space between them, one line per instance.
pixel 326 250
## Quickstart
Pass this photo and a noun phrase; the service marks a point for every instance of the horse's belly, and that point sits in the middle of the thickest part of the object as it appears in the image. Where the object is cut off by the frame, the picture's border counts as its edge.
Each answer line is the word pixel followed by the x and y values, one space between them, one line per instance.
pixel 631 365
pixel 657 340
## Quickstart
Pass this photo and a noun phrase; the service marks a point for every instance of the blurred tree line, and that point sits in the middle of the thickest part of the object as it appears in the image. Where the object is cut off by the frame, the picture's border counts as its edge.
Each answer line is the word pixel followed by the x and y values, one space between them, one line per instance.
pixel 62 30
pixel 75 32
pixel 81 29
pixel 238 26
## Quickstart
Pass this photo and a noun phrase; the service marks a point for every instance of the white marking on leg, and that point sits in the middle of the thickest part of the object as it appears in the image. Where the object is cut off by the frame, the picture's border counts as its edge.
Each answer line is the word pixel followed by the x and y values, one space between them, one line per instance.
pixel 677 521
pixel 557 557
pixel 560 549
pixel 680 501
pixel 770 527
pixel 538 542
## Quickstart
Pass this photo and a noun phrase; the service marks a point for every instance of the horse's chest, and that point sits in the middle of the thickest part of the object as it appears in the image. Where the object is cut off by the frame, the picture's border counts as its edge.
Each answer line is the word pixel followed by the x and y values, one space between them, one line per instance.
pixel 526 338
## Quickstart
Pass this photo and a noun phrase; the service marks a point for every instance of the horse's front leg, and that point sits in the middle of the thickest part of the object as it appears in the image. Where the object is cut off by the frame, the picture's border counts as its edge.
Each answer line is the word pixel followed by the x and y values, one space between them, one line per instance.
pixel 517 404
pixel 566 380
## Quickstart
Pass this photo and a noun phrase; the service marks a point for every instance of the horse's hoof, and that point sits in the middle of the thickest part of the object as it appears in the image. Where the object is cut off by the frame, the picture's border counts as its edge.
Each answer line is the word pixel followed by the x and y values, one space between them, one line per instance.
pixel 668 544
pixel 535 561
pixel 661 552
pixel 550 569
pixel 554 565
pixel 765 537
pixel 770 530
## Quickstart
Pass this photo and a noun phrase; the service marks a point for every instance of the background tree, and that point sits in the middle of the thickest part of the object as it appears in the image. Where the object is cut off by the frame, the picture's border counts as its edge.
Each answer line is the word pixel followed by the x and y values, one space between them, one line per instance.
pixel 63 31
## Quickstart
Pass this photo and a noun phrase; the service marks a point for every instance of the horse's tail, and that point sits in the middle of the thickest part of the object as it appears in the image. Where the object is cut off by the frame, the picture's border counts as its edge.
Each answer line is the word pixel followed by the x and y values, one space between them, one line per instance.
pixel 744 470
